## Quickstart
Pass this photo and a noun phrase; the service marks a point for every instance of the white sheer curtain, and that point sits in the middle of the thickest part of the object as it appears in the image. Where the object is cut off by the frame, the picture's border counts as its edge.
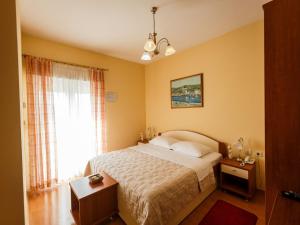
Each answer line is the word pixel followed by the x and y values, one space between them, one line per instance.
pixel 75 126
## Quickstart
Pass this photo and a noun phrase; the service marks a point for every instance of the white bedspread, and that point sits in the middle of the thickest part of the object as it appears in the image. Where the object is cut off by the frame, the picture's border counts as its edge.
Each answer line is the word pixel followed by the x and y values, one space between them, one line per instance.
pixel 202 166
pixel 155 183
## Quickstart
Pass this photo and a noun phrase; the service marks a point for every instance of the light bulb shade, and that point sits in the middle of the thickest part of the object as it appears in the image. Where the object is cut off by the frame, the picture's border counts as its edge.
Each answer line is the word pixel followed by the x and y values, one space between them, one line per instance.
pixel 169 50
pixel 150 45
pixel 146 56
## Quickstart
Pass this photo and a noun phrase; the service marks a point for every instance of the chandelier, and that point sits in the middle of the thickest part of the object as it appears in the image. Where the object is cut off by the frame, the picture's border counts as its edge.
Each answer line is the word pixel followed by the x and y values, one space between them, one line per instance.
pixel 152 46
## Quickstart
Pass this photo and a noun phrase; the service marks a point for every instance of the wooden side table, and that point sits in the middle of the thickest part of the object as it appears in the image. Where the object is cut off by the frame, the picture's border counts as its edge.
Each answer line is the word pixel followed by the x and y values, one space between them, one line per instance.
pixel 92 204
pixel 238 179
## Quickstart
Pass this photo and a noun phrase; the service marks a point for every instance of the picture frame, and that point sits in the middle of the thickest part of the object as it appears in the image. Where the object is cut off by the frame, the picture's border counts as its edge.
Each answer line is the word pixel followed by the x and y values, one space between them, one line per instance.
pixel 187 92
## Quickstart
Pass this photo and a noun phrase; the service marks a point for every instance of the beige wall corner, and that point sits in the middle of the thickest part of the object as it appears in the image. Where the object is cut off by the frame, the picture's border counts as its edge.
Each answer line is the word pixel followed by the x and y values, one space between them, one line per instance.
pixel 233 68
pixel 126 116
pixel 11 188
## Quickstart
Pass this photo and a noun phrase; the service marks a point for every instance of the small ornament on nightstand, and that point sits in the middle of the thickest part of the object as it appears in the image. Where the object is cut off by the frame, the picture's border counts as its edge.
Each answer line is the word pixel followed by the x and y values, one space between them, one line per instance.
pixel 239 145
pixel 244 151
pixel 154 132
pixel 142 136
pixel 229 152
pixel 95 178
pixel 151 133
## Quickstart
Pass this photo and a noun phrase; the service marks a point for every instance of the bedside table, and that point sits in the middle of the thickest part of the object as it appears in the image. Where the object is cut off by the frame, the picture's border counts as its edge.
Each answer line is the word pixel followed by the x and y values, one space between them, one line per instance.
pixel 92 204
pixel 238 179
pixel 140 142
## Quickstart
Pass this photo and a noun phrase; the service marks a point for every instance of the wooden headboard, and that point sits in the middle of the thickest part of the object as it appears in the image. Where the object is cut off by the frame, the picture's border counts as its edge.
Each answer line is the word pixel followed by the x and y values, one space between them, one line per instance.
pixel 187 135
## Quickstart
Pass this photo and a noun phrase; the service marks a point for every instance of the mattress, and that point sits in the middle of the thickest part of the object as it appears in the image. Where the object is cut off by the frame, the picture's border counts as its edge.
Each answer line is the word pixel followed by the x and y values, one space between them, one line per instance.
pixel 155 183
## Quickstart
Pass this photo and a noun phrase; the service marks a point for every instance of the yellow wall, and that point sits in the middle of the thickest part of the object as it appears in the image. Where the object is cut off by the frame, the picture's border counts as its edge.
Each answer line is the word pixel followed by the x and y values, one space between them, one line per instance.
pixel 233 88
pixel 126 116
pixel 11 188
pixel 233 68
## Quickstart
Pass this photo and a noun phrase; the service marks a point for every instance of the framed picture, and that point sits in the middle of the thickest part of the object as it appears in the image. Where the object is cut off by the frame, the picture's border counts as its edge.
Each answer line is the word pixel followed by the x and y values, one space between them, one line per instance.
pixel 187 92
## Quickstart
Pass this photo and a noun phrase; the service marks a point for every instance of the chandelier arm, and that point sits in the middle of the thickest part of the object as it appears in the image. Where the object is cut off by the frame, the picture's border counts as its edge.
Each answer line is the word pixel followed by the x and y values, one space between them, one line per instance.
pixel 162 40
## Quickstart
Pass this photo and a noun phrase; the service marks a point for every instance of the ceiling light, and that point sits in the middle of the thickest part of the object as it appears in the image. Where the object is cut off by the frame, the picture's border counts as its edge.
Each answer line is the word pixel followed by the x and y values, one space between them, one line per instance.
pixel 146 56
pixel 152 46
pixel 169 50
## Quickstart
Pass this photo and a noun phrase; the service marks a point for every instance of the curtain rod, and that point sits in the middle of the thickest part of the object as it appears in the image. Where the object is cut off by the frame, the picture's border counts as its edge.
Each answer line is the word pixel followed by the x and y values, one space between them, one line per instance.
pixel 71 64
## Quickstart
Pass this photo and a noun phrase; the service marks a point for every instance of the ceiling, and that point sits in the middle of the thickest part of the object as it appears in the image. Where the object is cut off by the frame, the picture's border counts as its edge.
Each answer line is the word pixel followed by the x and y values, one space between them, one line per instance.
pixel 120 28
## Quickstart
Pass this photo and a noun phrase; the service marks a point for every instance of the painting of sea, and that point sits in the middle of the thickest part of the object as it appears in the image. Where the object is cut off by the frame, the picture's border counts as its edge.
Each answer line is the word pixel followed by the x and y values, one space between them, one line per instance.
pixel 187 92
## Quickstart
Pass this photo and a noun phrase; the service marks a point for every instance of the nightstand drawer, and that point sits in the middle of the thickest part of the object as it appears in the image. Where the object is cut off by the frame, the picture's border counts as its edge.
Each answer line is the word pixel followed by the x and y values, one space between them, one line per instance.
pixel 234 171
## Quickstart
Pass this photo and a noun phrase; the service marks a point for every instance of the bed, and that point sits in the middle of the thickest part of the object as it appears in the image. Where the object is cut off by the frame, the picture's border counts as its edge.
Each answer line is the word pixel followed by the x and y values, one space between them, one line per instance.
pixel 158 186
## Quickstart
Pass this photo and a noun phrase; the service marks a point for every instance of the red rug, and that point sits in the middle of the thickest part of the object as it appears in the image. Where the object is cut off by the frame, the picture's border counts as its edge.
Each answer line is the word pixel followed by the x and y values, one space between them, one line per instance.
pixel 223 213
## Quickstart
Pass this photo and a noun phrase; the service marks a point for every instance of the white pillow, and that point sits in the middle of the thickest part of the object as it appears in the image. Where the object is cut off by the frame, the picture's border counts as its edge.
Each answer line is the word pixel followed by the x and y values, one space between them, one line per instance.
pixel 194 149
pixel 163 141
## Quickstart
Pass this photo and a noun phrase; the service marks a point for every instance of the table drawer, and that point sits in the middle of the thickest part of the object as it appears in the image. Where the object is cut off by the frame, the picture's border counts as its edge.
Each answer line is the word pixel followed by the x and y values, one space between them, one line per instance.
pixel 234 171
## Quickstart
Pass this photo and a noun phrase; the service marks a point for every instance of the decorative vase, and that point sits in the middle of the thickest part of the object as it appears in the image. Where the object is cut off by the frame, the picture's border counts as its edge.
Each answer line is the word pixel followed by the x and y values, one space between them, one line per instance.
pixel 229 152
pixel 142 136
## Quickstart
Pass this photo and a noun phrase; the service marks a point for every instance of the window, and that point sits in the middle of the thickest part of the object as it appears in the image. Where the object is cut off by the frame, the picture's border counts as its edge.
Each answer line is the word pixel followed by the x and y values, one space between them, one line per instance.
pixel 66 124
